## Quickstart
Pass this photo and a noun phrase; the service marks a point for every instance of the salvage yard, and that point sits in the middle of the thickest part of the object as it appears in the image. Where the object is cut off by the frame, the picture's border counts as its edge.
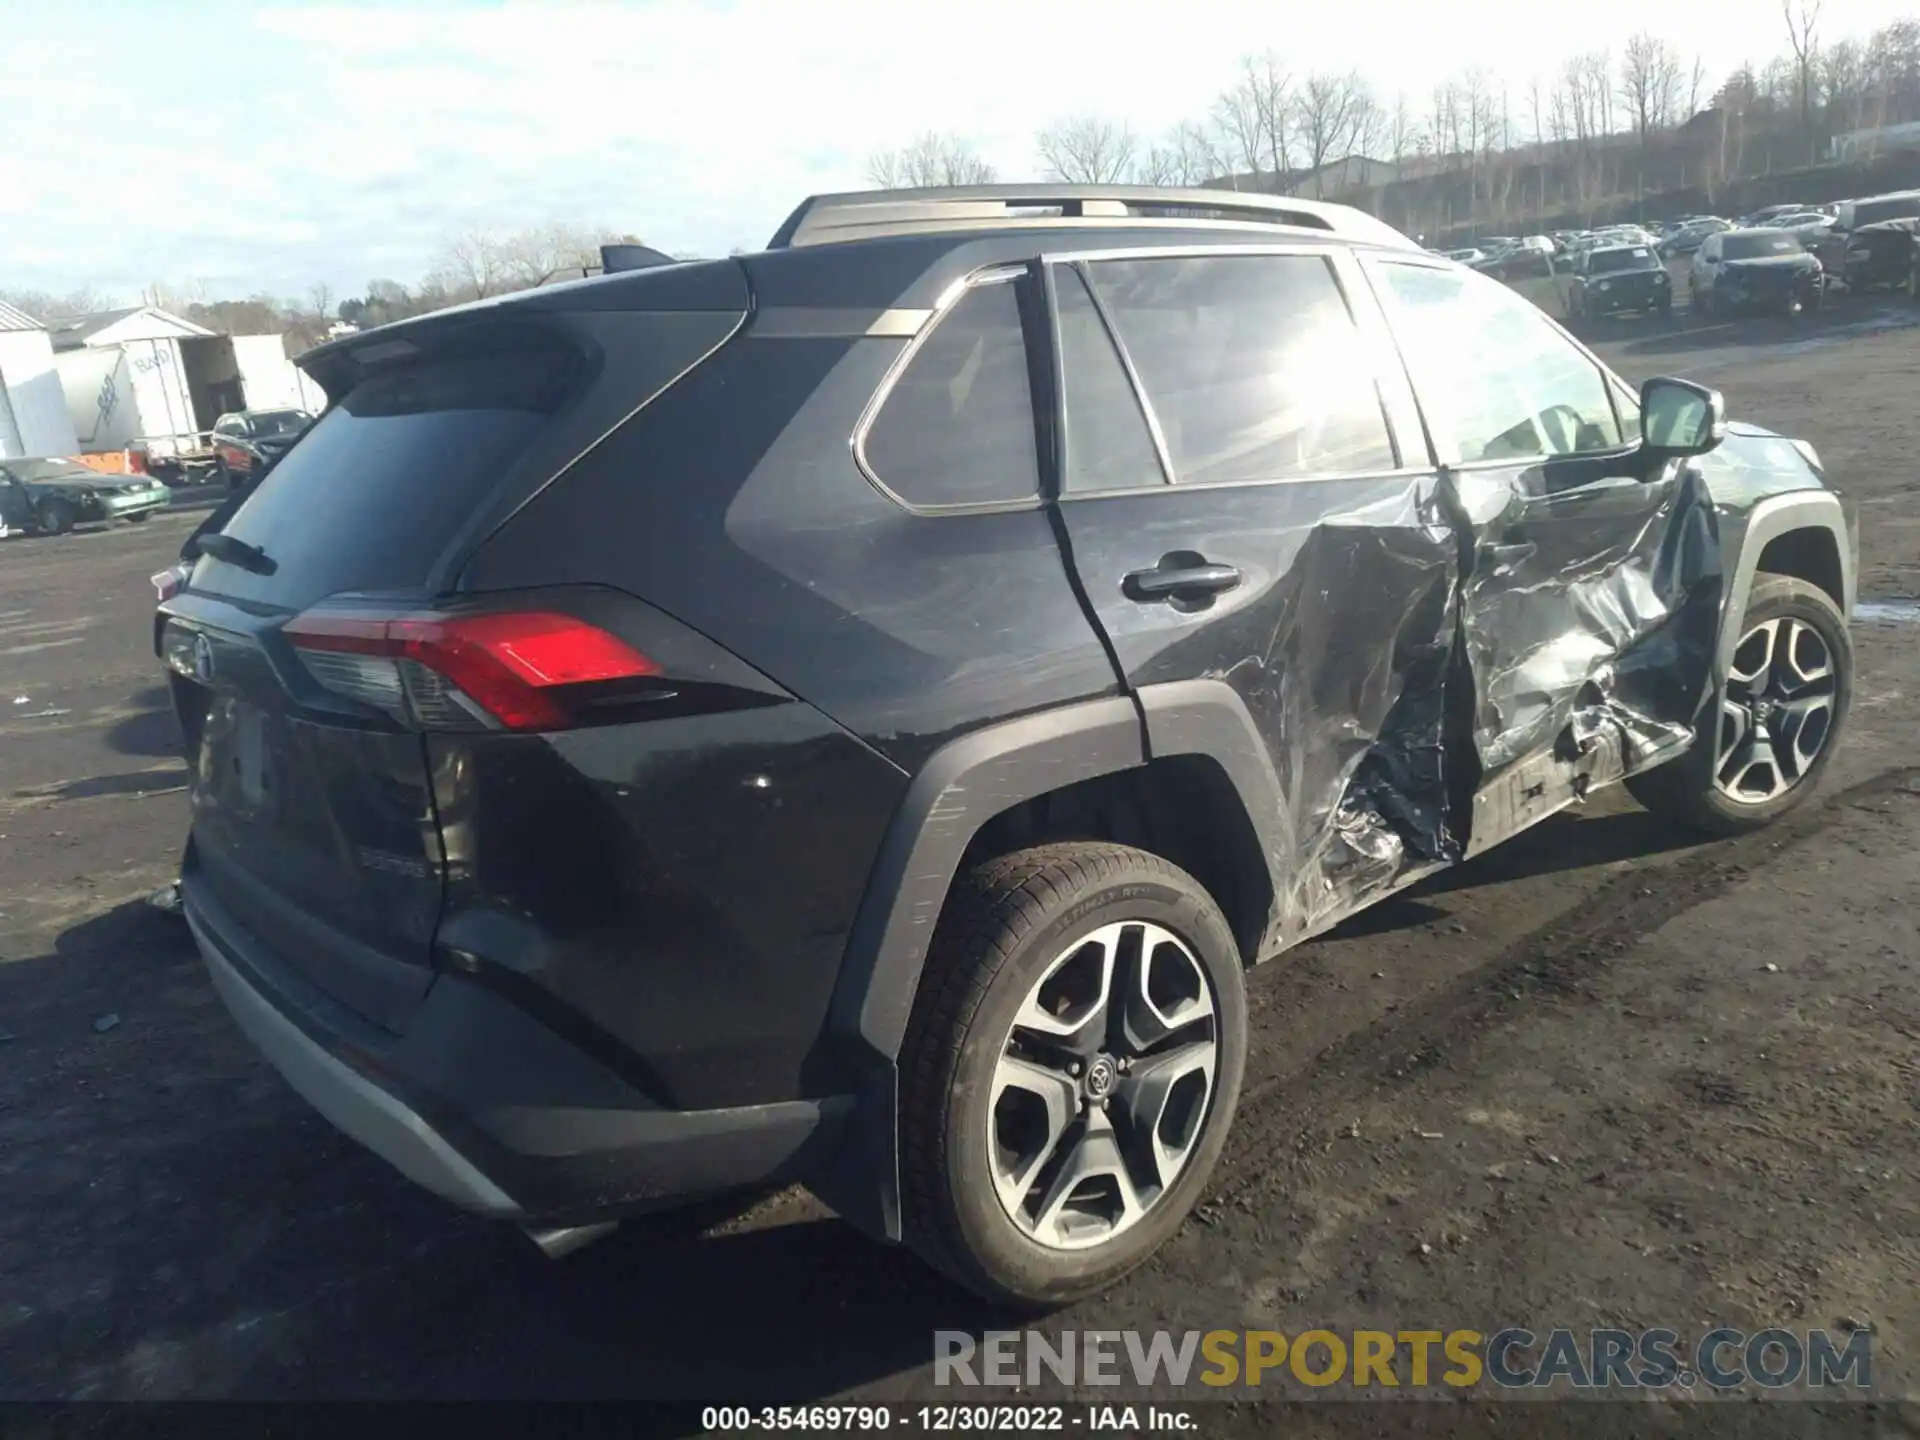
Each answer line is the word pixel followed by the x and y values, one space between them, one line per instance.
pixel 1599 1077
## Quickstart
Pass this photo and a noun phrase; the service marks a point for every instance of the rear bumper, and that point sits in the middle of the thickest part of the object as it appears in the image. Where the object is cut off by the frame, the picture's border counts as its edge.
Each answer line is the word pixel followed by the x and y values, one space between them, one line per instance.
pixel 486 1107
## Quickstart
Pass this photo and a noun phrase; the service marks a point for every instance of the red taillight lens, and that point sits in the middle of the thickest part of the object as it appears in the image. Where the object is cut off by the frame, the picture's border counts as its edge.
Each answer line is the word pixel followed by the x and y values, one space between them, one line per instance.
pixel 515 670
pixel 136 462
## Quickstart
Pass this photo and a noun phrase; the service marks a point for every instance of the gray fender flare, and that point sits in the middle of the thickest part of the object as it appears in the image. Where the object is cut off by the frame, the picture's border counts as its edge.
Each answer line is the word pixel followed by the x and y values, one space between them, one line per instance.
pixel 1773 517
pixel 963 785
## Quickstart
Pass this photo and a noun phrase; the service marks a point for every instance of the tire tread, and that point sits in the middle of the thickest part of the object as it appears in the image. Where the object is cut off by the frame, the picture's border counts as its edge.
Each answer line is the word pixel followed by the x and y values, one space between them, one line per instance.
pixel 991 910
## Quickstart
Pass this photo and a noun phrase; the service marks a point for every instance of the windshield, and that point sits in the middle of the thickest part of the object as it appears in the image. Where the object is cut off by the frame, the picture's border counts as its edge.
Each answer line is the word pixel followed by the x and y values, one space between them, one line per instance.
pixel 1896 209
pixel 273 424
pixel 1753 247
pixel 1636 257
pixel 50 470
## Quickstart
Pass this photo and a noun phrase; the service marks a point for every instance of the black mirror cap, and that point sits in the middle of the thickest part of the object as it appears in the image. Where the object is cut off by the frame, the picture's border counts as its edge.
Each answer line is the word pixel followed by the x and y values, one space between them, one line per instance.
pixel 1679 419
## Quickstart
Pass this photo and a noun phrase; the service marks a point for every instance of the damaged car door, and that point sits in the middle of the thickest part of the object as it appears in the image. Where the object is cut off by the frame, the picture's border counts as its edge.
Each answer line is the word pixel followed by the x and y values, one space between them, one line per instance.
pixel 1591 579
pixel 1254 516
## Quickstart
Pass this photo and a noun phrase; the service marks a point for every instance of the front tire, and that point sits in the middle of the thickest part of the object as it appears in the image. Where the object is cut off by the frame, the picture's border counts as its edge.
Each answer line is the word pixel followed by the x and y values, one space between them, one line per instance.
pixel 55 517
pixel 1761 747
pixel 1069 1072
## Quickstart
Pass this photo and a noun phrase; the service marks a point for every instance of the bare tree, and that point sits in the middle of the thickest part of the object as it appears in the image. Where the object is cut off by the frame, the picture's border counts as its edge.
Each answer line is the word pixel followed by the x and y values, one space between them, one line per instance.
pixel 932 160
pixel 1402 133
pixel 1803 25
pixel 1650 83
pixel 1087 150
pixel 1327 112
pixel 473 265
pixel 1186 157
pixel 1254 117
pixel 50 308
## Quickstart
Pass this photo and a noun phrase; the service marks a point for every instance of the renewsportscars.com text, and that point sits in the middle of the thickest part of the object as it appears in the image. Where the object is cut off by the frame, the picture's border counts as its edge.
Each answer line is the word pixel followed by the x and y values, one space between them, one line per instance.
pixel 1513 1358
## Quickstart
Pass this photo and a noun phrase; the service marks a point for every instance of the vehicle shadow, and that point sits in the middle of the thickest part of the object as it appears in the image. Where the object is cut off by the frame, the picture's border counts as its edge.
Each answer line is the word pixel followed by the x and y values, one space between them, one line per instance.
pixel 152 730
pixel 189 1228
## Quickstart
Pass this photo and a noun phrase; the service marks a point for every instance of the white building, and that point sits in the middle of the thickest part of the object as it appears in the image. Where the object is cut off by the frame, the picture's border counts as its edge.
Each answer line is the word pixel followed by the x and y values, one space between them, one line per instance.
pixel 144 375
pixel 33 410
pixel 1865 144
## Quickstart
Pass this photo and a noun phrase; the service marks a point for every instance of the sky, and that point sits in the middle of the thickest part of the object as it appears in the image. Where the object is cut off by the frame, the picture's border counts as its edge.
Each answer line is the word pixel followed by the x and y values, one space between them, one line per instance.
pixel 238 148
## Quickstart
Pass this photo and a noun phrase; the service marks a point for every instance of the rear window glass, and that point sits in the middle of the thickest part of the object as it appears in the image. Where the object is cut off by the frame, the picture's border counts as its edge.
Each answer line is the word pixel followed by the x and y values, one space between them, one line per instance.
pixel 957 427
pixel 1637 257
pixel 370 496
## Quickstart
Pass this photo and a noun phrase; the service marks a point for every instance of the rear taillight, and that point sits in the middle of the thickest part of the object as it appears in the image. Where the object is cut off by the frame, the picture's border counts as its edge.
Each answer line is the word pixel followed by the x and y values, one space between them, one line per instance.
pixel 519 670
pixel 136 462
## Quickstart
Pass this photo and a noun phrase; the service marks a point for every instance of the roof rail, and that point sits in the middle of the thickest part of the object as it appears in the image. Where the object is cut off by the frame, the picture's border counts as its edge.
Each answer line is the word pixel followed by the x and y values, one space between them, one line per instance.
pixel 866 214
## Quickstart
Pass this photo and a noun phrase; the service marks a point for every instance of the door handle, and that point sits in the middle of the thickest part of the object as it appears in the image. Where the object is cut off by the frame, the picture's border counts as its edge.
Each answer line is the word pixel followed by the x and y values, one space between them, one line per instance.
pixel 1180 581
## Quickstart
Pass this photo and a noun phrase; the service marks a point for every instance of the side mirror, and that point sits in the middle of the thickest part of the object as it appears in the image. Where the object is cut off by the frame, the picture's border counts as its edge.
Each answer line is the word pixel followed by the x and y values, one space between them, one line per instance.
pixel 1679 418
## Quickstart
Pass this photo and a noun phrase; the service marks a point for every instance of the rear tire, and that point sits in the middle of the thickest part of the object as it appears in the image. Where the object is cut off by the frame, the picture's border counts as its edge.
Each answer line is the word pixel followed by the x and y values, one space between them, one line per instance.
pixel 995 1117
pixel 1768 779
pixel 55 517
pixel 140 518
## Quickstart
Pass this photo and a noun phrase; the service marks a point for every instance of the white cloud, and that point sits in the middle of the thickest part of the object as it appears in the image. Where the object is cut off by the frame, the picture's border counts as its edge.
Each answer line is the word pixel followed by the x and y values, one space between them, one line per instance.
pixel 345 141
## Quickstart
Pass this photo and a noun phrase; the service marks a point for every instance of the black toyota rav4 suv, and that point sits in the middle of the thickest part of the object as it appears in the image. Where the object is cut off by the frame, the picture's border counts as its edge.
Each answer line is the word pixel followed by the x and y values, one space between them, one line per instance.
pixel 852 713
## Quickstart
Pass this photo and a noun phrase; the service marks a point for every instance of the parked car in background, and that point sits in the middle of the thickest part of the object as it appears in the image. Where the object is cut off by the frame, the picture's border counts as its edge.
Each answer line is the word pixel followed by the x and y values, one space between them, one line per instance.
pixel 1880 255
pixel 1758 269
pixel 1768 212
pixel 1809 227
pixel 586 816
pixel 1852 215
pixel 1519 263
pixel 1472 255
pixel 1616 279
pixel 51 496
pixel 1685 239
pixel 249 439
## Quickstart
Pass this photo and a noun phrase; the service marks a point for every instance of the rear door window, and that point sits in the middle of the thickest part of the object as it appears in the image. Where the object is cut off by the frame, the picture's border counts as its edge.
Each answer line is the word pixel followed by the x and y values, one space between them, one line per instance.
pixel 1252 365
pixel 957 426
pixel 1108 445
pixel 384 481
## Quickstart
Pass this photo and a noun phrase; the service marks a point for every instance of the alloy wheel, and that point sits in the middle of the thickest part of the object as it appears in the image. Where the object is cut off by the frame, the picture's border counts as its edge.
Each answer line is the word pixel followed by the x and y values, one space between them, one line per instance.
pixel 1103 1085
pixel 1777 712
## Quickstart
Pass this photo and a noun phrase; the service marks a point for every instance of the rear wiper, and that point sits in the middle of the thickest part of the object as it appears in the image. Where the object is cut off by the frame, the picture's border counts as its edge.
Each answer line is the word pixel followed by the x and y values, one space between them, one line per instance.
pixel 238 552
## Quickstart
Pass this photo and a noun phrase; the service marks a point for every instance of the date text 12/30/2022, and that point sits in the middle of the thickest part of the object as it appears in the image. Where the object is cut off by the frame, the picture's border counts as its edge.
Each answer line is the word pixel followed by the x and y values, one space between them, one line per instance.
pixel 946 1419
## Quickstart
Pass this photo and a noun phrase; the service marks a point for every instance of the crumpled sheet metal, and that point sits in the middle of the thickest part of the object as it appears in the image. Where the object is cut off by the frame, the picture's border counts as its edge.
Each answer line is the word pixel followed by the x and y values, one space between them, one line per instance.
pixel 1490 628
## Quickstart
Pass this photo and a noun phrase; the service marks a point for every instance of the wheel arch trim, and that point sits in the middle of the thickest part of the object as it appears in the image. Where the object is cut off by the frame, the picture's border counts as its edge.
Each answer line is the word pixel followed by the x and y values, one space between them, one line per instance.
pixel 963 785
pixel 1770 519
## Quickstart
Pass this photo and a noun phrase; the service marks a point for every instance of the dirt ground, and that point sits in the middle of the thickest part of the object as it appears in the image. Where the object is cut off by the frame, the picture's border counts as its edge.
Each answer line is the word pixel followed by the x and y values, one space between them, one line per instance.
pixel 1600 1077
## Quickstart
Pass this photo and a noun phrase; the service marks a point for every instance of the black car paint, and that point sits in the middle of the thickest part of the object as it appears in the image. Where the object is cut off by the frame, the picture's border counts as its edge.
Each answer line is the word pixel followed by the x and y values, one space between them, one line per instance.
pixel 1761 282
pixel 724 913
pixel 1642 285
pixel 1890 248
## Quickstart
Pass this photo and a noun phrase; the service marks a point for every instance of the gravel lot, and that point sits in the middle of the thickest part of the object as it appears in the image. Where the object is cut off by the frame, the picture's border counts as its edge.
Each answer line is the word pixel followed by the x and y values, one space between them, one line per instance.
pixel 1596 1078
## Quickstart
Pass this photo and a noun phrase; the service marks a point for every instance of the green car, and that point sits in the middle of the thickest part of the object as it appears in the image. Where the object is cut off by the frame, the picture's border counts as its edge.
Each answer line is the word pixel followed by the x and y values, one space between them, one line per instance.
pixel 53 496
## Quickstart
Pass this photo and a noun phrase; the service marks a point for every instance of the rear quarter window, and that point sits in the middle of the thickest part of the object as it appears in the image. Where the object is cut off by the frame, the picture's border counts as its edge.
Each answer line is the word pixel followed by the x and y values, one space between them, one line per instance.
pixel 957 426
pixel 374 492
